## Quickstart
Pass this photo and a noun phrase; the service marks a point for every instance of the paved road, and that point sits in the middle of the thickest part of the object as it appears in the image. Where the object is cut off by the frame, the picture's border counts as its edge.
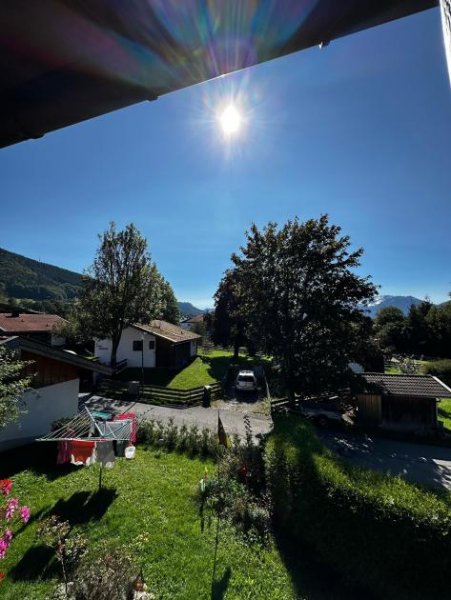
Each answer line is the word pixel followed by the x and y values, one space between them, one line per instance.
pixel 428 465
pixel 231 414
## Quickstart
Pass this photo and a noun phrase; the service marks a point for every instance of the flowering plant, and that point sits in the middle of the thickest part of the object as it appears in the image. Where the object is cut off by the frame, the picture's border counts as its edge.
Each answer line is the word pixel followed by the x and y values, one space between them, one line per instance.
pixel 10 512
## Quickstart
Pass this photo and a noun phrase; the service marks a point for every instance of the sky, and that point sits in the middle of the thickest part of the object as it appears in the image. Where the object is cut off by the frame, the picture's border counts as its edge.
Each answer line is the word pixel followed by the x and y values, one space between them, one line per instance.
pixel 360 130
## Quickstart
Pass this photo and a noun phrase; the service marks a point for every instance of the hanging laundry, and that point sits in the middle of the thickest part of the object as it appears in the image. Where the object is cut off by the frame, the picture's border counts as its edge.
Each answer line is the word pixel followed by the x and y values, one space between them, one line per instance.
pixel 120 446
pixel 64 452
pixel 105 454
pixel 83 452
pixel 132 417
pixel 445 10
pixel 116 430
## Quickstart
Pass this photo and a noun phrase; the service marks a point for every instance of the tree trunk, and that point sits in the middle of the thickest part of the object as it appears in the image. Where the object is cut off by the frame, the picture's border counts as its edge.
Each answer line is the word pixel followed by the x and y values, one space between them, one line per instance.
pixel 236 347
pixel 114 347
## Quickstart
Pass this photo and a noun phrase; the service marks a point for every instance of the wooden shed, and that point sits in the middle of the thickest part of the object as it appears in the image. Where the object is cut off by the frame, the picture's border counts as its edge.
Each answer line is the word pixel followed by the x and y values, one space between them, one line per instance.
pixel 401 402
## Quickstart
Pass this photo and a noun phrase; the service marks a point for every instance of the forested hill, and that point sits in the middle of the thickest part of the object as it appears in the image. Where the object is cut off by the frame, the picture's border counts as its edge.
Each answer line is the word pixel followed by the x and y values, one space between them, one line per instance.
pixel 22 277
pixel 25 278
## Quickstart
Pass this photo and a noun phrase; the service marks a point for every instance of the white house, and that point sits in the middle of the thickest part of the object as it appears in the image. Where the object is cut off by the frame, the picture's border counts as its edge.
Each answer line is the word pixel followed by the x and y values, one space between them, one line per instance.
pixel 56 381
pixel 158 344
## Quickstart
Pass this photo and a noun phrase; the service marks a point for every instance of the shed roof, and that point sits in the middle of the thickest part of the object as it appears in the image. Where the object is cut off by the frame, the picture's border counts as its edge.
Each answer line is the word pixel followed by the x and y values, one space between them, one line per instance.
pixel 421 386
pixel 67 61
pixel 29 323
pixel 168 331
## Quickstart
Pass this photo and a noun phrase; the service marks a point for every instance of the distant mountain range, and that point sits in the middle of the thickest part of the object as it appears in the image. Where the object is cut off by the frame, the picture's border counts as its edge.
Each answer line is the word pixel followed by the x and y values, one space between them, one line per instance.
pixel 402 302
pixel 22 277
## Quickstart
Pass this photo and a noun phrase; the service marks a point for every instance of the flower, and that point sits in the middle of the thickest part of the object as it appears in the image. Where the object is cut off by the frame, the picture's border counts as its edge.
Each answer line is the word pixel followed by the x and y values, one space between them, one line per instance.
pixel 11 507
pixel 3 548
pixel 25 514
pixel 6 485
pixel 8 536
pixel 2 577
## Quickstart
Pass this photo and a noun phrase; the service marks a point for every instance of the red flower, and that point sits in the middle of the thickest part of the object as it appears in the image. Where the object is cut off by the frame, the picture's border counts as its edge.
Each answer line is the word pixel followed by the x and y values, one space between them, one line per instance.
pixel 6 485
pixel 2 577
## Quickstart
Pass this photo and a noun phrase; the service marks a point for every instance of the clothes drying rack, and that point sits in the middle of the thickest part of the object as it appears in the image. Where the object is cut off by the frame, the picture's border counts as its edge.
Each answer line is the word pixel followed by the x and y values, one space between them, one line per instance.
pixel 85 427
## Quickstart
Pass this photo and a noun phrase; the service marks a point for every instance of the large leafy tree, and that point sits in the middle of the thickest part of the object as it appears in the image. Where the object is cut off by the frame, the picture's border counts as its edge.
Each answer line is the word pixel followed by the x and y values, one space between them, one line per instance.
pixel 121 287
pixel 229 319
pixel 302 299
pixel 390 328
pixel 12 385
pixel 170 306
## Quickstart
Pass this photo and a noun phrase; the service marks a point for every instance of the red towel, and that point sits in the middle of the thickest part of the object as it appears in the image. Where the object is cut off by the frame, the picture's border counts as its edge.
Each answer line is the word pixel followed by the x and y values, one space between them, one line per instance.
pixel 125 416
pixel 64 452
pixel 82 451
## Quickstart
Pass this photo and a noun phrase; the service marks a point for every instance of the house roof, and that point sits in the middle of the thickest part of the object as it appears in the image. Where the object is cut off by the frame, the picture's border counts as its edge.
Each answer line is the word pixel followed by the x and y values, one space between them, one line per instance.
pixel 421 386
pixel 168 331
pixel 34 347
pixel 195 319
pixel 67 61
pixel 29 323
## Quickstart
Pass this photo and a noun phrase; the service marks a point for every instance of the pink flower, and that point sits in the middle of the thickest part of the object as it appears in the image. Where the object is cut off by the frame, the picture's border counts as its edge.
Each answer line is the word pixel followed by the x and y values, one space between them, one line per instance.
pixel 3 548
pixel 11 507
pixel 25 513
pixel 6 485
pixel 8 536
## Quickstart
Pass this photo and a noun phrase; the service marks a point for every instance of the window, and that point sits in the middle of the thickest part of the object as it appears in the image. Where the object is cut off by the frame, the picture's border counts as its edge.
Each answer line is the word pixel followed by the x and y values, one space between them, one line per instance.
pixel 152 345
pixel 138 345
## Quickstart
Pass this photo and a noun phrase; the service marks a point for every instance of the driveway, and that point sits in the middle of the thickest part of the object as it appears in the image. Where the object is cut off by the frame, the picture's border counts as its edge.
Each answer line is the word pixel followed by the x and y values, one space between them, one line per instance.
pixel 231 414
pixel 418 463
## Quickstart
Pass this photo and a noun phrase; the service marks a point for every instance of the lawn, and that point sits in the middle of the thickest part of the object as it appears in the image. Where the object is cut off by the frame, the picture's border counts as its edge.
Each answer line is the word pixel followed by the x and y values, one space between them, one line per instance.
pixel 444 412
pixel 148 505
pixel 204 369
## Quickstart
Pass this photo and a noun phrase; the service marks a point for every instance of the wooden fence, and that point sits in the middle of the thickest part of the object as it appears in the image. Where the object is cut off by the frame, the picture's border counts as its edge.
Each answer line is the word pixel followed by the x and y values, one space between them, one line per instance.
pixel 155 394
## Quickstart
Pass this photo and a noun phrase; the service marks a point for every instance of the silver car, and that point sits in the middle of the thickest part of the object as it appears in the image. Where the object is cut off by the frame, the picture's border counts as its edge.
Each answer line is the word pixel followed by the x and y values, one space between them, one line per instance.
pixel 246 381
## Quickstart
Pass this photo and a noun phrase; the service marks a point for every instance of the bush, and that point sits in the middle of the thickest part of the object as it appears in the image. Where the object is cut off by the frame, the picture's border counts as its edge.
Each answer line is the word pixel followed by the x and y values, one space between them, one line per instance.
pixel 378 531
pixel 441 369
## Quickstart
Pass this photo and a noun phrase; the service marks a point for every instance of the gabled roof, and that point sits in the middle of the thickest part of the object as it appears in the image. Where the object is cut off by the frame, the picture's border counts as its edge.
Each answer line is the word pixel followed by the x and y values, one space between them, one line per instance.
pixel 421 386
pixel 168 331
pixel 12 323
pixel 34 347
pixel 195 319
pixel 67 61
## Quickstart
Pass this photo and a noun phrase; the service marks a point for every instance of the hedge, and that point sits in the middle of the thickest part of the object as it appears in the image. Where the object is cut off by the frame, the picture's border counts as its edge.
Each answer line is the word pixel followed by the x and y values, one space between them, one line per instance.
pixel 441 369
pixel 377 531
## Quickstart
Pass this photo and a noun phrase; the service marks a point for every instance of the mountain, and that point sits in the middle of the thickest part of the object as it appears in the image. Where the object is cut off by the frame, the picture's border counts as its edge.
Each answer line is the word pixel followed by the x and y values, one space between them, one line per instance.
pixel 187 309
pixel 22 277
pixel 401 302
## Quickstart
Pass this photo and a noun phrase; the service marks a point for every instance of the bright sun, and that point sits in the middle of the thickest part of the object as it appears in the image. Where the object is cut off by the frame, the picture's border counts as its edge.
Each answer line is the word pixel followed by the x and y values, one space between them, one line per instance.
pixel 230 120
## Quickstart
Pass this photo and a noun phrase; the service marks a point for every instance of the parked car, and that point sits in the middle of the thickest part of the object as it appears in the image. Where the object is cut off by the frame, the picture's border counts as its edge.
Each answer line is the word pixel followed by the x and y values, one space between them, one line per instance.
pixel 325 412
pixel 246 381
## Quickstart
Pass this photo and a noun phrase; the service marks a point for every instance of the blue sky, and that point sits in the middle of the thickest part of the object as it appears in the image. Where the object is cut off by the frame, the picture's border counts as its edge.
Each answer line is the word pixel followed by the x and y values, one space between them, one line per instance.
pixel 360 130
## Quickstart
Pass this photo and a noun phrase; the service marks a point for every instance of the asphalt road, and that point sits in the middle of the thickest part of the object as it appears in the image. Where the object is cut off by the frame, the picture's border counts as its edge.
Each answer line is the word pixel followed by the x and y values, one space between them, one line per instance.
pixel 231 414
pixel 418 463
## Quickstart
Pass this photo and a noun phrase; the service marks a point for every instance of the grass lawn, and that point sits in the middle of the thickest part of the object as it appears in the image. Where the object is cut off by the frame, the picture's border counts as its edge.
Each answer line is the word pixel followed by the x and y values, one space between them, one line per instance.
pixel 148 505
pixel 204 369
pixel 444 412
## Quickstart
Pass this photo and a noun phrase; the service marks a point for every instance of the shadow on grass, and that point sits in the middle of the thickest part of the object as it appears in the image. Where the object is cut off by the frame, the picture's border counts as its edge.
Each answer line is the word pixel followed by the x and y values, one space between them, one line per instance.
pixel 39 457
pixel 219 587
pixel 39 561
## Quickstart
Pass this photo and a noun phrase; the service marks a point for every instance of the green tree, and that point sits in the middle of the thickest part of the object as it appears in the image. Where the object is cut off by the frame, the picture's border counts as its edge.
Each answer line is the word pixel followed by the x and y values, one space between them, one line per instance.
pixel 228 322
pixel 170 306
pixel 418 332
pixel 390 329
pixel 301 300
pixel 12 385
pixel 121 287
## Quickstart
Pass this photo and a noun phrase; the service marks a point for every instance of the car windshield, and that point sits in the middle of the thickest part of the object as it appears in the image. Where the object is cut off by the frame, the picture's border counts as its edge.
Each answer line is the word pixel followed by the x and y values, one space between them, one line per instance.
pixel 247 378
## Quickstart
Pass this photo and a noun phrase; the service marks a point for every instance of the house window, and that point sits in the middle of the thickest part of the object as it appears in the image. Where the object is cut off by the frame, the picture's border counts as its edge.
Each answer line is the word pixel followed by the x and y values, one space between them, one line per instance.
pixel 138 345
pixel 152 345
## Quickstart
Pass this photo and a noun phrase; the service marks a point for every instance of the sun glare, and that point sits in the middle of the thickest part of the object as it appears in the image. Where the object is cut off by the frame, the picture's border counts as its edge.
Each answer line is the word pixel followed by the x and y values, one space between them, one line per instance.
pixel 230 120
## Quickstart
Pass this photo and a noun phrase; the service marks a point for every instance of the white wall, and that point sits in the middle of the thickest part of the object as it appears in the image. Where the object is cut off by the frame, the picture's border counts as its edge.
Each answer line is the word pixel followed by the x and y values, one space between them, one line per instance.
pixel 125 350
pixel 193 350
pixel 43 406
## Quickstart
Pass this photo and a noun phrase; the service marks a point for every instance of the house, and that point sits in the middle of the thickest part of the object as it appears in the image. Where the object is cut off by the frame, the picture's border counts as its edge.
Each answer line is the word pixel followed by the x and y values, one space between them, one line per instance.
pixel 401 402
pixel 190 322
pixel 158 344
pixel 39 326
pixel 56 384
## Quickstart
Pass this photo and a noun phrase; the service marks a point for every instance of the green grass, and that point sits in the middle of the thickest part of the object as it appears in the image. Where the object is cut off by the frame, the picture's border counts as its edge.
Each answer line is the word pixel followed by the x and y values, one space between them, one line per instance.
pixel 149 506
pixel 444 412
pixel 204 369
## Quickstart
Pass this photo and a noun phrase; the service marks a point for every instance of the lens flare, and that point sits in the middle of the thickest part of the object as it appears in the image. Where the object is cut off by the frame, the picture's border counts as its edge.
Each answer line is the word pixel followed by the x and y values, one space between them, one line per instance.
pixel 230 120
